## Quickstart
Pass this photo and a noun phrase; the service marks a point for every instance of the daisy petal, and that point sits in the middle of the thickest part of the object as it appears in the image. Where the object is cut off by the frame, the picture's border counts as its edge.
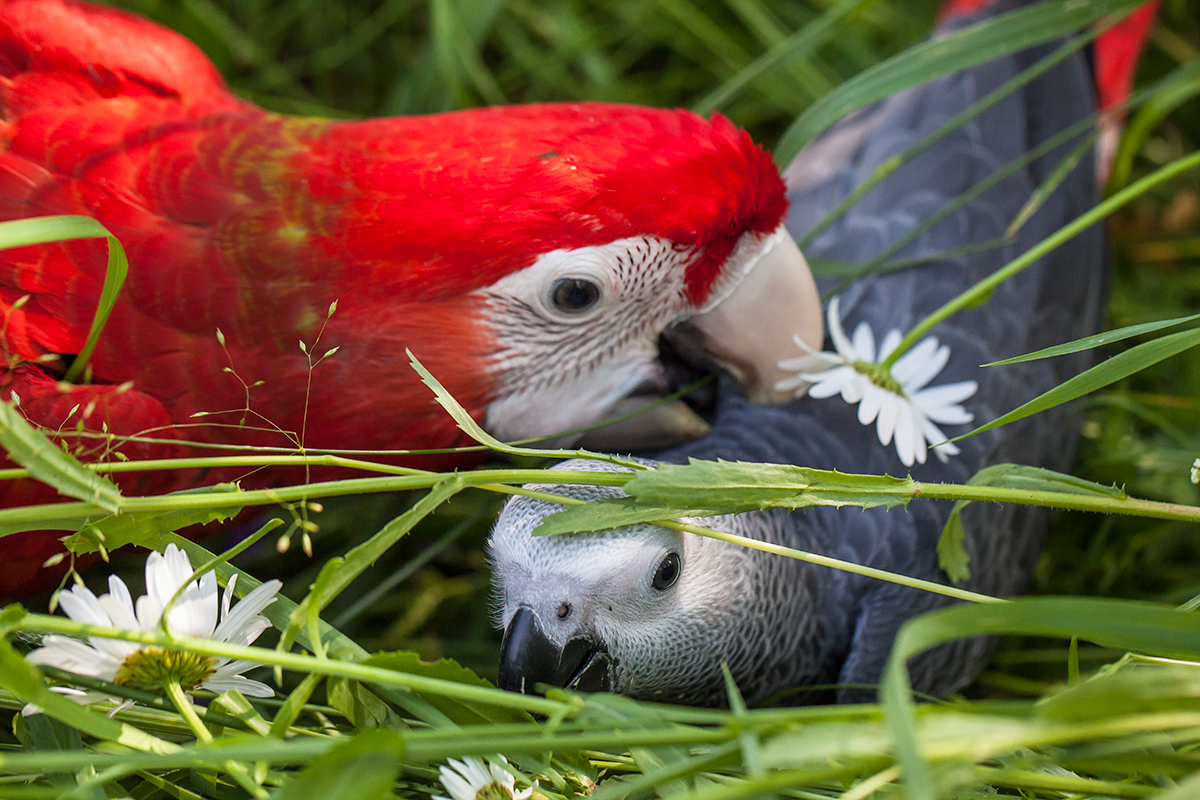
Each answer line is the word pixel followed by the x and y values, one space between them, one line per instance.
pixel 864 343
pixel 853 390
pixel 827 384
pixel 82 606
pixel 244 685
pixel 947 393
pixel 906 435
pixel 921 365
pixel 890 343
pixel 872 402
pixel 888 414
pixel 244 612
pixel 838 336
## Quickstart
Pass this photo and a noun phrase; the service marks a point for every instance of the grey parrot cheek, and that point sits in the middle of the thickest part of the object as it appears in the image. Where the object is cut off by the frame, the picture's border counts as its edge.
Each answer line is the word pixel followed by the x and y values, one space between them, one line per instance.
pixel 528 657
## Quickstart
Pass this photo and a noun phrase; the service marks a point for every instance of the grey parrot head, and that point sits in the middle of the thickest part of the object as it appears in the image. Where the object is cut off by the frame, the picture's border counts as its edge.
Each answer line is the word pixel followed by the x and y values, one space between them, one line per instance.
pixel 643 611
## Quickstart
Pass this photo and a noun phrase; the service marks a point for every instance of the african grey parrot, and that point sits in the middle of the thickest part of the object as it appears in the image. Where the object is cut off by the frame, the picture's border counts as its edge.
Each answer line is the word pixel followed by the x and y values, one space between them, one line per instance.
pixel 652 612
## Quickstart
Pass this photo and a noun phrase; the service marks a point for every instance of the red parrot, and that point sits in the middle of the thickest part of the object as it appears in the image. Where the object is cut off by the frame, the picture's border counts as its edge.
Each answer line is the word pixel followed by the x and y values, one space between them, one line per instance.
pixel 530 256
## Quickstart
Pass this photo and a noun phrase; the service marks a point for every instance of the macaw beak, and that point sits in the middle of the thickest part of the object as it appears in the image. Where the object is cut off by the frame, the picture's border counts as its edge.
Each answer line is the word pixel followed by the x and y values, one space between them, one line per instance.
pixel 753 328
pixel 528 658
pixel 745 333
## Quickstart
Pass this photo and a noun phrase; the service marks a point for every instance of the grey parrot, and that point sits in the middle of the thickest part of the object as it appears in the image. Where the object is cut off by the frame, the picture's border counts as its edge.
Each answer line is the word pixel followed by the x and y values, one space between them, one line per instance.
pixel 652 613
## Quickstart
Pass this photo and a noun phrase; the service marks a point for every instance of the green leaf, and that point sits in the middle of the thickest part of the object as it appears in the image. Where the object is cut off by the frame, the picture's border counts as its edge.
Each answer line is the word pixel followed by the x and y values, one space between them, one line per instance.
pixel 41 733
pixel 1141 689
pixel 41 230
pixel 458 711
pixel 730 487
pixel 1099 340
pixel 599 515
pixel 1120 624
pixel 294 705
pixel 945 55
pixel 364 767
pixel 147 529
pixel 18 677
pixel 800 43
pixel 360 705
pixel 470 427
pixel 1120 366
pixel 951 550
pixel 340 572
pixel 33 450
pixel 952 556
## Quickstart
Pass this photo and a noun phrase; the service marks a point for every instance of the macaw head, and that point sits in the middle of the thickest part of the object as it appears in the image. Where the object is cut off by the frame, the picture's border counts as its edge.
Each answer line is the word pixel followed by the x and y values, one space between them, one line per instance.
pixel 595 249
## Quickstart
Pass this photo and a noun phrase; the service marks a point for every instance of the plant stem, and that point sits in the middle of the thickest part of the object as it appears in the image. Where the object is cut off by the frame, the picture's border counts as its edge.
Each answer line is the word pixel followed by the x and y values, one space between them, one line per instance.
pixel 235 768
pixel 835 563
pixel 175 692
pixel 44 623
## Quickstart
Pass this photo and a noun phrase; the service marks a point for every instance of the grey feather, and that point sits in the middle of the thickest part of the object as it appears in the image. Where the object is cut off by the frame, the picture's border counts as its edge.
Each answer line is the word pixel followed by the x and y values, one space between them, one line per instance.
pixel 783 625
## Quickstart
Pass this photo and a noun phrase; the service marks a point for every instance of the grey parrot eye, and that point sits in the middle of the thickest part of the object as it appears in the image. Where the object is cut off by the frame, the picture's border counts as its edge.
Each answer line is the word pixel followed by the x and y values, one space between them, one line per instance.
pixel 574 295
pixel 667 572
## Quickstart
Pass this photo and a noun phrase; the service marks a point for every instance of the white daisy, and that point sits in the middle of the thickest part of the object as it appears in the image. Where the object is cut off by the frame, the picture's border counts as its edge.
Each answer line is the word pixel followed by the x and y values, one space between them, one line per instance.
pixel 898 401
pixel 194 613
pixel 471 779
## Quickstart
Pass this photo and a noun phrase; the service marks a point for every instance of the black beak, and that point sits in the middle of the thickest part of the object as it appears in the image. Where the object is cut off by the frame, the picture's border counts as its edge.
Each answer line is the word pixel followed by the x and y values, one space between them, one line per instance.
pixel 529 658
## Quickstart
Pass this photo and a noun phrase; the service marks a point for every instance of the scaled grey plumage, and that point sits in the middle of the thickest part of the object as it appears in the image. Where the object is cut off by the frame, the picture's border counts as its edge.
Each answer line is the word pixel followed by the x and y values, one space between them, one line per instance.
pixel 781 624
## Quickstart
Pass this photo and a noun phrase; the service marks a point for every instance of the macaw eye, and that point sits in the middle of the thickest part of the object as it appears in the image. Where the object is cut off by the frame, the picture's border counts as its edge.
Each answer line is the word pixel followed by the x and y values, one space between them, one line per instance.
pixel 574 295
pixel 667 572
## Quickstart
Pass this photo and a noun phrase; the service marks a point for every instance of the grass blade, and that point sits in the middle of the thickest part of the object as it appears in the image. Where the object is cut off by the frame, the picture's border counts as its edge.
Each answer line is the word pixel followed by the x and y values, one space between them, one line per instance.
pixel 955 52
pixel 50 464
pixel 1120 366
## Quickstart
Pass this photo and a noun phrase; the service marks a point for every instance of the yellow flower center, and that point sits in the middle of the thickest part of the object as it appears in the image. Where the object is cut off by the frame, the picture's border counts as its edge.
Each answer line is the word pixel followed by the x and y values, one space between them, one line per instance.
pixel 493 791
pixel 881 377
pixel 149 669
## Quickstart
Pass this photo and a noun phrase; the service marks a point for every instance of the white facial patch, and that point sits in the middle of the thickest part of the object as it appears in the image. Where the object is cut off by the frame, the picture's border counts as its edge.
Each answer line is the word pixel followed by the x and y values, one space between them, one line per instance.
pixel 577 331
pixel 557 370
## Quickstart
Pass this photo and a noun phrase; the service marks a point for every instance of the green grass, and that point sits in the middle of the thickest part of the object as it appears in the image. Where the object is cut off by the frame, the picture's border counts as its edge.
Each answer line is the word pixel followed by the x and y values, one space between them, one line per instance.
pixel 1044 721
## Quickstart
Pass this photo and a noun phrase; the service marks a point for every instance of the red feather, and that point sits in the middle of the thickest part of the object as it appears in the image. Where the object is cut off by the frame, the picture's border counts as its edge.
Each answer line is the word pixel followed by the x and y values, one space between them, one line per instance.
pixel 252 222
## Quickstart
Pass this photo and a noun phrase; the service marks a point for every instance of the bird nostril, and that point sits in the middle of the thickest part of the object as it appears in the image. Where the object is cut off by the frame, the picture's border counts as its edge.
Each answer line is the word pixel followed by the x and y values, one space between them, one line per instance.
pixel 564 610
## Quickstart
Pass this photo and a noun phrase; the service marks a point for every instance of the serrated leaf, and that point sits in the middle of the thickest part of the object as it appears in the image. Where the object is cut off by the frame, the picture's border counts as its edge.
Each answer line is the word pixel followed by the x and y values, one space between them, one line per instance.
pixel 953 52
pixel 147 529
pixel 730 487
pixel 45 461
pixel 600 515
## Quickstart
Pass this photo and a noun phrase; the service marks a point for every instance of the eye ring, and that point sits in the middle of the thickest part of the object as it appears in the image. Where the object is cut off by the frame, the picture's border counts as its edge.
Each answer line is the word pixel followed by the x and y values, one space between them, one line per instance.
pixel 574 295
pixel 667 572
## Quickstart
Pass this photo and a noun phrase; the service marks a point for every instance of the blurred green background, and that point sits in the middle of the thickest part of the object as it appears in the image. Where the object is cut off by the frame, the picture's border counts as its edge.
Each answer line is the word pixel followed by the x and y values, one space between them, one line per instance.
pixel 351 59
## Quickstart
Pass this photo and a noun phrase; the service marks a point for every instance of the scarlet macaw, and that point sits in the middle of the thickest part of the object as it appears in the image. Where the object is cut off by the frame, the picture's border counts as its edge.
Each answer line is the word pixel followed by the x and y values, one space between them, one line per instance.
pixel 530 256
